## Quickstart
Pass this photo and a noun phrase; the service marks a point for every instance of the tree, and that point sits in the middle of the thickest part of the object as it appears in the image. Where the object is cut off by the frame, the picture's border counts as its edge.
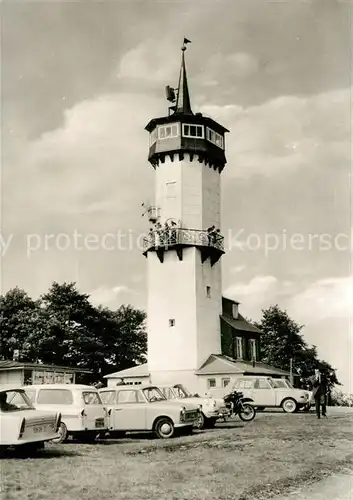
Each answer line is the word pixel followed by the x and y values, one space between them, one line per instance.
pixel 282 341
pixel 21 322
pixel 64 328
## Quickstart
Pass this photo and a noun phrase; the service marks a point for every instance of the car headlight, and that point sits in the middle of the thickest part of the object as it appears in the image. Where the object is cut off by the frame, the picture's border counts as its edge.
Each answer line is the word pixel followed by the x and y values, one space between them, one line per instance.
pixel 199 407
pixel 182 414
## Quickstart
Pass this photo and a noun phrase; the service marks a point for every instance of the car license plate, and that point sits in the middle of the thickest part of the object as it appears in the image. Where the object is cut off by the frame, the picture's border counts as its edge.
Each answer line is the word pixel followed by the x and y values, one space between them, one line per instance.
pixel 37 429
pixel 99 424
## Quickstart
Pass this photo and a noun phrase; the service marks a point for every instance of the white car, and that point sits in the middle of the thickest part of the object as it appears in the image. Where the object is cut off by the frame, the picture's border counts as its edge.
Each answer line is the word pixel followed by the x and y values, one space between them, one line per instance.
pixel 145 408
pixel 212 409
pixel 284 383
pixel 266 394
pixel 83 413
pixel 21 425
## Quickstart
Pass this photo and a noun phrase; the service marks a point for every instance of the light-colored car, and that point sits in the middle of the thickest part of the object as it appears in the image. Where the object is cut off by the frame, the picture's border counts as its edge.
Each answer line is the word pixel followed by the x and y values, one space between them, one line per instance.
pixel 266 394
pixel 21 425
pixel 211 411
pixel 145 408
pixel 284 383
pixel 83 415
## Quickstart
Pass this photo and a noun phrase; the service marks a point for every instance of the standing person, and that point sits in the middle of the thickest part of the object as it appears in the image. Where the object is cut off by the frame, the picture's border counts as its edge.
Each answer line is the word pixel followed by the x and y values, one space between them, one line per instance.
pixel 319 383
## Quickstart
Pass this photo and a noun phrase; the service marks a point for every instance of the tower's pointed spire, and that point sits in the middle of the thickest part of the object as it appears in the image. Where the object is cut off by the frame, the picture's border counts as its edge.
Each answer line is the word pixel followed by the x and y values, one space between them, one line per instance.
pixel 183 98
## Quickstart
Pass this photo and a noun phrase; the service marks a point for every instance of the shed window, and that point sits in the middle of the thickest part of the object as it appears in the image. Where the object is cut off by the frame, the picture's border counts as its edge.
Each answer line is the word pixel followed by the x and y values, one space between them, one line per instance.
pixel 211 382
pixel 193 131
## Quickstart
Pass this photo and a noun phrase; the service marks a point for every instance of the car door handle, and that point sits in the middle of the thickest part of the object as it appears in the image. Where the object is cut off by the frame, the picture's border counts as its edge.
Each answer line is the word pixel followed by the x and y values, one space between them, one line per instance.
pixel 118 409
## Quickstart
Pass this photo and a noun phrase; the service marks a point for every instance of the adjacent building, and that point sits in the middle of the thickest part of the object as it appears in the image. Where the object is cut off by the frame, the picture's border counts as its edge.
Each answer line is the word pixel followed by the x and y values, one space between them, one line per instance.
pixel 24 373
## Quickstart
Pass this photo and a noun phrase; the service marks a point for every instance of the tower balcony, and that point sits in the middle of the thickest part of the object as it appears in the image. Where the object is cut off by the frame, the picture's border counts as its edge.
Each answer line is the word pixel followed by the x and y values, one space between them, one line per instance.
pixel 210 244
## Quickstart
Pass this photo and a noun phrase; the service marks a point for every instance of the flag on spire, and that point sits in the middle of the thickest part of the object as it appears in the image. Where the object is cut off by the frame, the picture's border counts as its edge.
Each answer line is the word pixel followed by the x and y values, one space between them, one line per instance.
pixel 186 41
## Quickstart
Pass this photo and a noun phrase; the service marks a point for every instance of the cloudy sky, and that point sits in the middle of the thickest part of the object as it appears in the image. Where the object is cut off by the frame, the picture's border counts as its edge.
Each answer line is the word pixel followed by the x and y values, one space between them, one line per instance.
pixel 80 80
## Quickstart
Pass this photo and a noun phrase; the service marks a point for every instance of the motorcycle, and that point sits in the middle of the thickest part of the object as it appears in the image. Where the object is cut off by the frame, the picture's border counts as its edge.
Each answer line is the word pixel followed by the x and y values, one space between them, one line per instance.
pixel 238 405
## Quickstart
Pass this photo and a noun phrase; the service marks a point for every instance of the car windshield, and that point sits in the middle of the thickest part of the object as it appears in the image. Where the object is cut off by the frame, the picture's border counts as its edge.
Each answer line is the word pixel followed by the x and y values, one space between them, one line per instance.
pixel 181 392
pixel 153 394
pixel 14 400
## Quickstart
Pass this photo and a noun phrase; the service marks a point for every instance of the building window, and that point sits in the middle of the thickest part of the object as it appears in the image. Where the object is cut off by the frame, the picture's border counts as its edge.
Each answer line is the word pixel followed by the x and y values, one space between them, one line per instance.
pixel 253 349
pixel 27 380
pixel 153 136
pixel 193 131
pixel 208 292
pixel 239 341
pixel 225 382
pixel 215 138
pixel 235 312
pixel 168 131
pixel 172 322
pixel 211 382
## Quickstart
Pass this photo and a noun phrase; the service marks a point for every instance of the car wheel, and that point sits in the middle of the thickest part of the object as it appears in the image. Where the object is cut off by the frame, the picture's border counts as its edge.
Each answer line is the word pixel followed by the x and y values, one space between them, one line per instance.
pixel 200 422
pixel 62 434
pixel 289 405
pixel 164 428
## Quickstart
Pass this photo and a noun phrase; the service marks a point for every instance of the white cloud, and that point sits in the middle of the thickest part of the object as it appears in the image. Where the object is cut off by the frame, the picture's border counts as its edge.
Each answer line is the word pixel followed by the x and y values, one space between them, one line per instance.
pixel 108 297
pixel 258 293
pixel 236 269
pixel 148 61
pixel 325 298
pixel 287 133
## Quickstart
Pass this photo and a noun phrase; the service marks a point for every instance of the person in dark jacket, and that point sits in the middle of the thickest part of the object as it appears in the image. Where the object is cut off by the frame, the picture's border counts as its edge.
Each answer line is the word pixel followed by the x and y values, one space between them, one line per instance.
pixel 320 387
pixel 121 382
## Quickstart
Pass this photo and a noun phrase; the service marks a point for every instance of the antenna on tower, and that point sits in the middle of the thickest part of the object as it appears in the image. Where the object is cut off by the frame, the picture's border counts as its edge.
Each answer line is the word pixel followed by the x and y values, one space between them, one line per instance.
pixel 151 211
pixel 170 94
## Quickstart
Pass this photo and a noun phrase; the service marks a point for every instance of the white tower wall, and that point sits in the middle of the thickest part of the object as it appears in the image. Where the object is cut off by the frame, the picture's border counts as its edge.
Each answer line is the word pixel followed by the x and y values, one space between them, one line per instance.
pixel 189 192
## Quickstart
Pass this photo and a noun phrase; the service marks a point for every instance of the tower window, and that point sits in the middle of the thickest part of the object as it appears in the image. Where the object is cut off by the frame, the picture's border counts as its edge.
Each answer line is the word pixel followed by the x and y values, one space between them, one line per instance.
pixel 208 292
pixel 215 138
pixel 168 131
pixel 153 136
pixel 193 131
pixel 172 322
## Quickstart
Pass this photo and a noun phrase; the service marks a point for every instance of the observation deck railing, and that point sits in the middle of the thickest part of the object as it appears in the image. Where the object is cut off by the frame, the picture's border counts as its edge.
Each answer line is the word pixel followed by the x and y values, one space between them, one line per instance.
pixel 174 237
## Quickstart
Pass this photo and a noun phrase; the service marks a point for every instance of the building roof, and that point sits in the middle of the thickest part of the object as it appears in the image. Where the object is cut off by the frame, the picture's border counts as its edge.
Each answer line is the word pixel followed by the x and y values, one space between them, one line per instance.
pixel 8 364
pixel 218 364
pixel 183 105
pixel 135 371
pixel 240 324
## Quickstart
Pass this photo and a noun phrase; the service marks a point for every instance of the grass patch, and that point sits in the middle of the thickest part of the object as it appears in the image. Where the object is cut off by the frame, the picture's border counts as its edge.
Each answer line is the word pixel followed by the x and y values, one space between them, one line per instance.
pixel 274 454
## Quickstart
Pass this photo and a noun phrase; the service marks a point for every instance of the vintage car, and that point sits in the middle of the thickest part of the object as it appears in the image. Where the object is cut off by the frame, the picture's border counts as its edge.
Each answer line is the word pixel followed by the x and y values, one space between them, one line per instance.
pixel 284 383
pixel 211 411
pixel 145 409
pixel 83 414
pixel 21 425
pixel 266 394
